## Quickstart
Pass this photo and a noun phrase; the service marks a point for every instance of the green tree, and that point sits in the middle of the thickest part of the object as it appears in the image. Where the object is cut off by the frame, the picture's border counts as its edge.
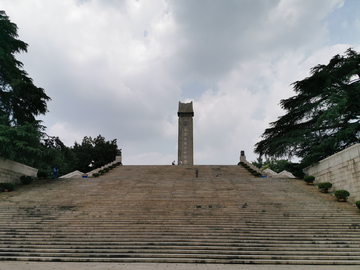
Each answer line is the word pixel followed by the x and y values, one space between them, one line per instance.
pixel 20 101
pixel 323 118
pixel 56 154
pixel 21 142
pixel 94 153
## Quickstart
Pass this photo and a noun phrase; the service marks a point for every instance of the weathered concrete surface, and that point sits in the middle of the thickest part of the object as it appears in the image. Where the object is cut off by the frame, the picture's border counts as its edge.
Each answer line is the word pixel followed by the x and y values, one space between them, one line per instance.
pixel 163 214
pixel 10 171
pixel 160 266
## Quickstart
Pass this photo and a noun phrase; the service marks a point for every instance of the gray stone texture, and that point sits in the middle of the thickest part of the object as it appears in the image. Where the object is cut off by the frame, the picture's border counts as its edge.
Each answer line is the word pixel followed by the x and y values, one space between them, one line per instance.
pixel 185 139
pixel 10 171
pixel 164 214
pixel 341 169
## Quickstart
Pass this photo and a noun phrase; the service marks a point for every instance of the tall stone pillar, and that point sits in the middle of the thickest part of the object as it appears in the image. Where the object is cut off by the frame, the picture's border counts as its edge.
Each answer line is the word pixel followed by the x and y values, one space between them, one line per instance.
pixel 242 156
pixel 118 156
pixel 185 140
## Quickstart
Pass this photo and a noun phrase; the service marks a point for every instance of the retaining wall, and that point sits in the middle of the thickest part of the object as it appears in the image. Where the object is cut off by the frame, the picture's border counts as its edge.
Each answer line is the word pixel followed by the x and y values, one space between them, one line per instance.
pixel 341 169
pixel 10 171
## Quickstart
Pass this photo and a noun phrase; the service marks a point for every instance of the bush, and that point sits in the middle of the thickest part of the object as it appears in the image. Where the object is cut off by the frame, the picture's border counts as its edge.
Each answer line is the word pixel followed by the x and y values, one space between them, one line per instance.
pixel 42 174
pixel 8 186
pixel 101 171
pixel 357 203
pixel 325 185
pixel 106 169
pixel 96 174
pixel 25 180
pixel 342 194
pixel 309 179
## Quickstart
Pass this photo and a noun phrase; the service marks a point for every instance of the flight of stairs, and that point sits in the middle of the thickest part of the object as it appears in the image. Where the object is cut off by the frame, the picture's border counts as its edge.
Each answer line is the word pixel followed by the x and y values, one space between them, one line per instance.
pixel 165 214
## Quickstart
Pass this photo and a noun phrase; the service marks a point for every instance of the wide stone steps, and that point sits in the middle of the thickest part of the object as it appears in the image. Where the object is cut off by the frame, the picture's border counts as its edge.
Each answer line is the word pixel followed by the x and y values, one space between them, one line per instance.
pixel 165 214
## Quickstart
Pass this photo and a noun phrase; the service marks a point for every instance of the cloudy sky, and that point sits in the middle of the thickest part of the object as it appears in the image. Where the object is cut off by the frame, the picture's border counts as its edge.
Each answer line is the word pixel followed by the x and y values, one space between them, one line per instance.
pixel 120 67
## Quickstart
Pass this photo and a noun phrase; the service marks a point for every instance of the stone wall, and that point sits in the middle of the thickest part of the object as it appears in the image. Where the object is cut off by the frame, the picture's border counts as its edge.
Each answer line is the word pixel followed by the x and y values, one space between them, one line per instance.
pixel 10 171
pixel 341 169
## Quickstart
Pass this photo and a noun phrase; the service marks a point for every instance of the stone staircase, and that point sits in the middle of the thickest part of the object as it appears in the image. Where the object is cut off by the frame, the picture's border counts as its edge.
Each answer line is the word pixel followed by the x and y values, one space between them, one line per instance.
pixel 165 214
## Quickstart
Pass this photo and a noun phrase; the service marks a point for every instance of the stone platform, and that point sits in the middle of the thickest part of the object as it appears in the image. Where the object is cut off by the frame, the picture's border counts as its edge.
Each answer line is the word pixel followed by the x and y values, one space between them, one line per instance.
pixel 163 214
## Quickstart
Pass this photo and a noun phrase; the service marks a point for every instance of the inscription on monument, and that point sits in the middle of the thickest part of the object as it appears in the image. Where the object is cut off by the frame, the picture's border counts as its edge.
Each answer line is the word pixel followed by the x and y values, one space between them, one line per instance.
pixel 185 139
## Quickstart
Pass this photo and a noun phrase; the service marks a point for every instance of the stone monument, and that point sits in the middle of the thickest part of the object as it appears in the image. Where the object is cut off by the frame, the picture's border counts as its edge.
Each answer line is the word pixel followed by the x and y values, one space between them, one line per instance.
pixel 185 140
pixel 118 156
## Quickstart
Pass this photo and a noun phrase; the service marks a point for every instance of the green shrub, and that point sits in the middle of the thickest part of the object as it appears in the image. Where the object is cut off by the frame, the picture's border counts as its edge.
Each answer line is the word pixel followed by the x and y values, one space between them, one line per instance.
pixel 101 171
pixel 42 174
pixel 357 203
pixel 106 169
pixel 25 180
pixel 96 174
pixel 309 179
pixel 8 186
pixel 342 194
pixel 325 185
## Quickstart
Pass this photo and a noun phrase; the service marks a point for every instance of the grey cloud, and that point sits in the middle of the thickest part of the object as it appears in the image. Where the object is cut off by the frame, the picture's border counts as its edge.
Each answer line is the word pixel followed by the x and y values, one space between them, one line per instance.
pixel 220 34
pixel 105 78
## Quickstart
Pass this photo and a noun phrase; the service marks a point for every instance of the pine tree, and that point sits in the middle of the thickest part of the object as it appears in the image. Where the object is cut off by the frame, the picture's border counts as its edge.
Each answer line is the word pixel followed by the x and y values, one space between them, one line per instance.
pixel 20 100
pixel 323 118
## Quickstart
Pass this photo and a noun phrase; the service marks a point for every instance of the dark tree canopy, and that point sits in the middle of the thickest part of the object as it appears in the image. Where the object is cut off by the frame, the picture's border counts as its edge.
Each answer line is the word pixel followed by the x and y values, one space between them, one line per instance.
pixel 323 118
pixel 94 153
pixel 22 137
pixel 20 99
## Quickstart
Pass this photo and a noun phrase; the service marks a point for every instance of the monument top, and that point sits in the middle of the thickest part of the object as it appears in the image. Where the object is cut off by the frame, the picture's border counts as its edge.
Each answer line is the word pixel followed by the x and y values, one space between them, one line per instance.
pixel 185 108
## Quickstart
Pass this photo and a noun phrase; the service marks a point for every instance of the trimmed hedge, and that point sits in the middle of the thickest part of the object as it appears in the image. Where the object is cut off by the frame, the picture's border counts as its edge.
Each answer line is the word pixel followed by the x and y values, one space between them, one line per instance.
pixel 42 174
pixel 26 180
pixel 342 194
pixel 325 185
pixel 357 203
pixel 251 170
pixel 309 179
pixel 7 186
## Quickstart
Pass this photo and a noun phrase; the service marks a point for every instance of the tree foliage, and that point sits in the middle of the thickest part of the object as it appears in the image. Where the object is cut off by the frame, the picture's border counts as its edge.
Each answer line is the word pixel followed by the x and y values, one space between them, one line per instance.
pixel 279 165
pixel 56 154
pixel 94 153
pixel 20 101
pixel 21 143
pixel 22 137
pixel 90 154
pixel 323 118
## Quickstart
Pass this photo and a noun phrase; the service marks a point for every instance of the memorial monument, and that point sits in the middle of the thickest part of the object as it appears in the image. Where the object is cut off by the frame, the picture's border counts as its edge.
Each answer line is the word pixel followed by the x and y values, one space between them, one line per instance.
pixel 185 140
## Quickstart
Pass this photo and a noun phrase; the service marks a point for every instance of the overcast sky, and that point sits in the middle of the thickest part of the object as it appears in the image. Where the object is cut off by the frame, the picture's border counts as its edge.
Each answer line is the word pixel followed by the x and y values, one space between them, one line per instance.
pixel 119 68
